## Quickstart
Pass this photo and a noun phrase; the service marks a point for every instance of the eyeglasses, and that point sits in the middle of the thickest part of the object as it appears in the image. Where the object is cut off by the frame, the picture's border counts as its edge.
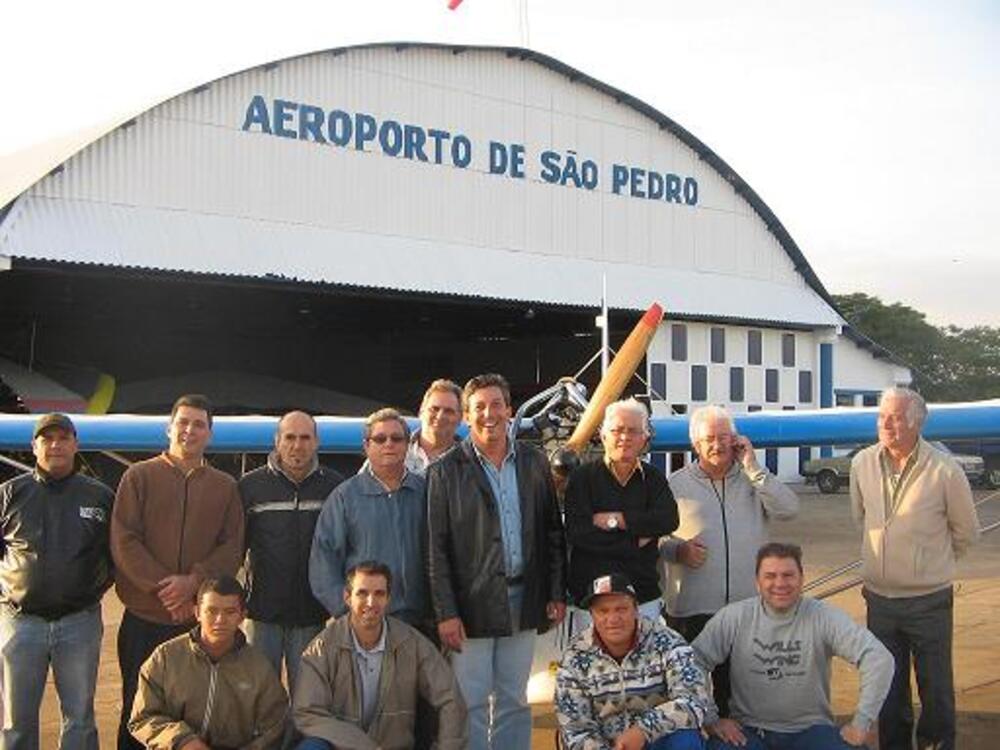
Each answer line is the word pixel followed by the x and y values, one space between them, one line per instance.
pixel 627 432
pixel 381 438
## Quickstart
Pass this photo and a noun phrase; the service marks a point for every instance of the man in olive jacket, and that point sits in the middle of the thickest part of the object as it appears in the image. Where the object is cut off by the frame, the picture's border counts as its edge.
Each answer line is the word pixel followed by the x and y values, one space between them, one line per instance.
pixel 360 680
pixel 497 563
pixel 209 689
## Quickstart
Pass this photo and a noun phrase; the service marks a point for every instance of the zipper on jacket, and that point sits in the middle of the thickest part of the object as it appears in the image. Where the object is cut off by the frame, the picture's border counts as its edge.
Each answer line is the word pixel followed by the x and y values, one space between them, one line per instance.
pixel 180 542
pixel 209 701
pixel 725 527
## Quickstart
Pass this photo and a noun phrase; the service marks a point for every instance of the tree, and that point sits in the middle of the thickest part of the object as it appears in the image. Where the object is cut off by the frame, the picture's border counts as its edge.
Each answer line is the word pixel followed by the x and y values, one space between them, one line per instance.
pixel 948 364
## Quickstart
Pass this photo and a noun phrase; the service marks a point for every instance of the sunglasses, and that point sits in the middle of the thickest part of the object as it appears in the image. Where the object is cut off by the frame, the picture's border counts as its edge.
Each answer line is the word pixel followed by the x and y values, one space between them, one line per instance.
pixel 381 438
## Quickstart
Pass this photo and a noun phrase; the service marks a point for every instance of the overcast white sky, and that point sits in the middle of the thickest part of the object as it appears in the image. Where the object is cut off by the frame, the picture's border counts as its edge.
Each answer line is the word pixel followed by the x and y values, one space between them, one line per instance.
pixel 870 128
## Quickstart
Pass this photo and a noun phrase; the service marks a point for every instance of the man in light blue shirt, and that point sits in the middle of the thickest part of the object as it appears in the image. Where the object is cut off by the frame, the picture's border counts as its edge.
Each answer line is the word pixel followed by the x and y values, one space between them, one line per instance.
pixel 497 563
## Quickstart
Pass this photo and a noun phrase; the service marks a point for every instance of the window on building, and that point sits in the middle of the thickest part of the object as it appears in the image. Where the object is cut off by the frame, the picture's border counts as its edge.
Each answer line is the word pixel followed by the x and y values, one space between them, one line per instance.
pixel 805 386
pixel 658 381
pixel 718 344
pixel 678 408
pixel 788 350
pixel 771 460
pixel 869 399
pixel 736 384
pixel 845 399
pixel 678 342
pixel 754 407
pixel 699 383
pixel 771 393
pixel 754 347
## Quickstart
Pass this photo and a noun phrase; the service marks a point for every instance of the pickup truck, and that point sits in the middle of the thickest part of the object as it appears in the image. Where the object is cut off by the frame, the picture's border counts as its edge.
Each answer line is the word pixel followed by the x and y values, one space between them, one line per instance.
pixel 830 474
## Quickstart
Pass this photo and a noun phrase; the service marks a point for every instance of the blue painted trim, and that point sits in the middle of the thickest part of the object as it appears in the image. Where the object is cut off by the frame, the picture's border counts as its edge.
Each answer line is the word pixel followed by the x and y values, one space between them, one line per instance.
pixel 825 376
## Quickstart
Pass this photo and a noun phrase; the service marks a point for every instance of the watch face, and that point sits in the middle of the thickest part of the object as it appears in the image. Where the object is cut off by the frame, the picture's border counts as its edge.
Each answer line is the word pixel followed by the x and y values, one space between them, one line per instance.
pixel 612 523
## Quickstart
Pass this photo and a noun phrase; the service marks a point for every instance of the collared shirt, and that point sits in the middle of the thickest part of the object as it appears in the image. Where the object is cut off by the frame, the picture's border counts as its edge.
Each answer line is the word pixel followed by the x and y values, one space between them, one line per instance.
pixel 893 482
pixel 417 459
pixel 503 483
pixel 638 465
pixel 369 662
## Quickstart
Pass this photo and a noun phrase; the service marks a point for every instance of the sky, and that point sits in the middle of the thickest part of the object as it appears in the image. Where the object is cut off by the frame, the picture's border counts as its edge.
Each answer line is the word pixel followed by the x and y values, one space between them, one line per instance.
pixel 871 128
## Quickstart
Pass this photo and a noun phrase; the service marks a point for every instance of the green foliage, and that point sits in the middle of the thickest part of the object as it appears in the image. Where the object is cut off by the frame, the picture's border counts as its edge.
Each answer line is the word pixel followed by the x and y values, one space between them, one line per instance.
pixel 949 364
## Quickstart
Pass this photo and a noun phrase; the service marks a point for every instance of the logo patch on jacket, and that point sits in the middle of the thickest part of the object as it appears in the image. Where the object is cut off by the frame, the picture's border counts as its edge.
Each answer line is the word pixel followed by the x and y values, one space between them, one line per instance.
pixel 94 514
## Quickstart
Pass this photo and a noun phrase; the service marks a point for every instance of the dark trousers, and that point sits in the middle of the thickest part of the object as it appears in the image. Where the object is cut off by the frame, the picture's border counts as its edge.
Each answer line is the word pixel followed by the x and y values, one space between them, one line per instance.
pixel 137 639
pixel 916 630
pixel 690 628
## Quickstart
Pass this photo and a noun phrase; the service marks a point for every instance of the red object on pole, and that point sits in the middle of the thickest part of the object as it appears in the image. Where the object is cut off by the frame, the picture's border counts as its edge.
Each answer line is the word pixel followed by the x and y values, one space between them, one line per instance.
pixel 452 4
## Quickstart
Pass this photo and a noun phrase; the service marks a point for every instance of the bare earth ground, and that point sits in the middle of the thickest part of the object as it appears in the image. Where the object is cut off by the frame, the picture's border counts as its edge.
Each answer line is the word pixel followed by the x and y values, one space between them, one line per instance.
pixel 829 538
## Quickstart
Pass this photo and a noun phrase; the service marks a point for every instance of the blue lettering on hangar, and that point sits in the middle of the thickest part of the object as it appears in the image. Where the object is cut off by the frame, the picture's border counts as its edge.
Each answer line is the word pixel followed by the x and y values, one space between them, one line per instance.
pixel 360 131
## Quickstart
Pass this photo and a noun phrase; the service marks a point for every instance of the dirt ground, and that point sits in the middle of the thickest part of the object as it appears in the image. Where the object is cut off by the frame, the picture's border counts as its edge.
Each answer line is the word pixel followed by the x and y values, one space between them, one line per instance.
pixel 830 540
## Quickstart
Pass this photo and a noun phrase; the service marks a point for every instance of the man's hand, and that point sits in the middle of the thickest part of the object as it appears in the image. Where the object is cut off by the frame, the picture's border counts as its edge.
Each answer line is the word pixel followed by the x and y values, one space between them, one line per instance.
pixel 601 521
pixel 743 448
pixel 555 611
pixel 452 633
pixel 729 731
pixel 632 738
pixel 692 553
pixel 852 735
pixel 177 592
pixel 194 743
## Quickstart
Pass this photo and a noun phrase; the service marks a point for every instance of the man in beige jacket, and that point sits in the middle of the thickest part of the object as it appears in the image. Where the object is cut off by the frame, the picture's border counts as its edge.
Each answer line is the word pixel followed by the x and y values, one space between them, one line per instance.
pixel 919 517
pixel 360 679
pixel 209 689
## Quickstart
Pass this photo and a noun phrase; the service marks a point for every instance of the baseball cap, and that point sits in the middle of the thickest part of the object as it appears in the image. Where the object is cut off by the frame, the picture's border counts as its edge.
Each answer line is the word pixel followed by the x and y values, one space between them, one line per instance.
pixel 53 420
pixel 614 583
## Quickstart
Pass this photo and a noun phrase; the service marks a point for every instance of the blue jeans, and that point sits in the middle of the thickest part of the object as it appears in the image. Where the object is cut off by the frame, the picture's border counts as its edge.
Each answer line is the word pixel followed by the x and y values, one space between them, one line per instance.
pixel 498 668
pixel 682 739
pixel 816 737
pixel 28 645
pixel 279 642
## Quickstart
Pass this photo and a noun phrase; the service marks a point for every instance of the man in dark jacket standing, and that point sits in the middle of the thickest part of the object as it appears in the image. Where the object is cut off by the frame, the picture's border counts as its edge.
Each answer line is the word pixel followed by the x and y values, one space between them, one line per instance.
pixel 56 566
pixel 282 501
pixel 497 563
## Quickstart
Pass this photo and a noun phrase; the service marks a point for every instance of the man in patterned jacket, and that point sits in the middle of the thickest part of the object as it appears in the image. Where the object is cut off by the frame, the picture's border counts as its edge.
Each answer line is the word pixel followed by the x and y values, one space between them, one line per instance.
pixel 627 682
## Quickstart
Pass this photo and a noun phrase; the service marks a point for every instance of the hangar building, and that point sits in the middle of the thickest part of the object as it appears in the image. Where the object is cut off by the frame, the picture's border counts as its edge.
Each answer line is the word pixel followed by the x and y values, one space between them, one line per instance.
pixel 336 229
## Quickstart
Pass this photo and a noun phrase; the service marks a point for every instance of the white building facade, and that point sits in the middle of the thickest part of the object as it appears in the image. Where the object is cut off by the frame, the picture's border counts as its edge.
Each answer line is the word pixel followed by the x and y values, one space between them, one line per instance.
pixel 496 174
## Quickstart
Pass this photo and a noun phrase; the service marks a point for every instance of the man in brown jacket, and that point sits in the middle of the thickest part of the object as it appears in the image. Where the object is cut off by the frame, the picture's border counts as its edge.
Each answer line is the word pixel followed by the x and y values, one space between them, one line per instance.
pixel 918 516
pixel 176 521
pixel 209 689
pixel 359 681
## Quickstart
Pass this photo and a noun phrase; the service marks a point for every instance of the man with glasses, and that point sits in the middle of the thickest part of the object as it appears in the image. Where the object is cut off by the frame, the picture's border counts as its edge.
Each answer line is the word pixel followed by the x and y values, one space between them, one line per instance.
pixel 725 499
pixel 378 514
pixel 617 508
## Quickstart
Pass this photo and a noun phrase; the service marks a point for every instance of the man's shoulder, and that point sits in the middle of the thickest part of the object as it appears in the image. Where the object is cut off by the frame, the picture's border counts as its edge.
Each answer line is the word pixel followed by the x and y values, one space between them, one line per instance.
pixel 218 475
pixel 94 486
pixel 178 647
pixel 683 478
pixel 866 456
pixel 18 484
pixel 260 475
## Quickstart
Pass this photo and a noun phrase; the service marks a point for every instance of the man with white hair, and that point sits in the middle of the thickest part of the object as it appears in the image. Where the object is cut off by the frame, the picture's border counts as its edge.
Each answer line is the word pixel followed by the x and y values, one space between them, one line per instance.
pixel 617 508
pixel 919 516
pixel 724 499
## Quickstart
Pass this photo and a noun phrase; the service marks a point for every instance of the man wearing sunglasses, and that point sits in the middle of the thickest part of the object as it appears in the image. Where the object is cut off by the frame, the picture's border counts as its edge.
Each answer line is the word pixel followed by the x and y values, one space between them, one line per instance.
pixel 378 514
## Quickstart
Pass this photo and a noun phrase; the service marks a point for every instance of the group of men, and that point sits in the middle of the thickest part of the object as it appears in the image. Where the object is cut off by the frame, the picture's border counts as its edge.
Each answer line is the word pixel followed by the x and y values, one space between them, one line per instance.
pixel 437 565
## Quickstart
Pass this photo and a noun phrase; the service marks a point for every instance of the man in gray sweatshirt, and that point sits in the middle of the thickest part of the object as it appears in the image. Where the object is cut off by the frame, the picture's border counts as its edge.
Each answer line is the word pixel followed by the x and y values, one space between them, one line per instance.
pixel 779 645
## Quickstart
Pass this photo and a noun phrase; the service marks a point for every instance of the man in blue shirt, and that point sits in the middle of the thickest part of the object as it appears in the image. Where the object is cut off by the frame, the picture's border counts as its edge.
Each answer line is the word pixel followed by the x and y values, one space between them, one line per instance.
pixel 497 563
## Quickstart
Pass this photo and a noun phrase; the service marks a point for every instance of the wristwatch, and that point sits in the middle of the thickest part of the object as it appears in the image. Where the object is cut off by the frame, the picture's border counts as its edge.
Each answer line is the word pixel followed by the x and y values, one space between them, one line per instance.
pixel 612 523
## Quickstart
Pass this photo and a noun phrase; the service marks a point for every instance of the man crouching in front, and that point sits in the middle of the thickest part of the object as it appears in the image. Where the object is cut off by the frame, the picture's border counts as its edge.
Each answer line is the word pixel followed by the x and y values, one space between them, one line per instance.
pixel 629 683
pixel 360 678
pixel 208 689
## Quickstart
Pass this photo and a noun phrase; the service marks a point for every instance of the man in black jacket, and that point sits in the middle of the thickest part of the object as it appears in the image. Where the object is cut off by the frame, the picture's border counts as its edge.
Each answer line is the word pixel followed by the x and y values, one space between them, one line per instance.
pixel 56 567
pixel 497 563
pixel 282 501
pixel 617 508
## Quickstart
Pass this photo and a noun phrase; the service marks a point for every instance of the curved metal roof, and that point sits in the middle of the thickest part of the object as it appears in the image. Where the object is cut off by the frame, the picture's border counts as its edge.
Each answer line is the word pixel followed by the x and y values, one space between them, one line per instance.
pixel 705 153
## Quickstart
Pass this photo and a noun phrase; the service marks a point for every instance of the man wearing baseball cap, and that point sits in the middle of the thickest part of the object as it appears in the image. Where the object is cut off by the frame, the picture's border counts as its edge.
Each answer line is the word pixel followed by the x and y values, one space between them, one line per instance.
pixel 55 568
pixel 627 682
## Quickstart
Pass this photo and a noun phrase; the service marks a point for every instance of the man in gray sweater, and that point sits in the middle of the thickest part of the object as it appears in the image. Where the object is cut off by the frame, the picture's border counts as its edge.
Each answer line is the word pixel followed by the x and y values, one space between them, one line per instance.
pixel 779 645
